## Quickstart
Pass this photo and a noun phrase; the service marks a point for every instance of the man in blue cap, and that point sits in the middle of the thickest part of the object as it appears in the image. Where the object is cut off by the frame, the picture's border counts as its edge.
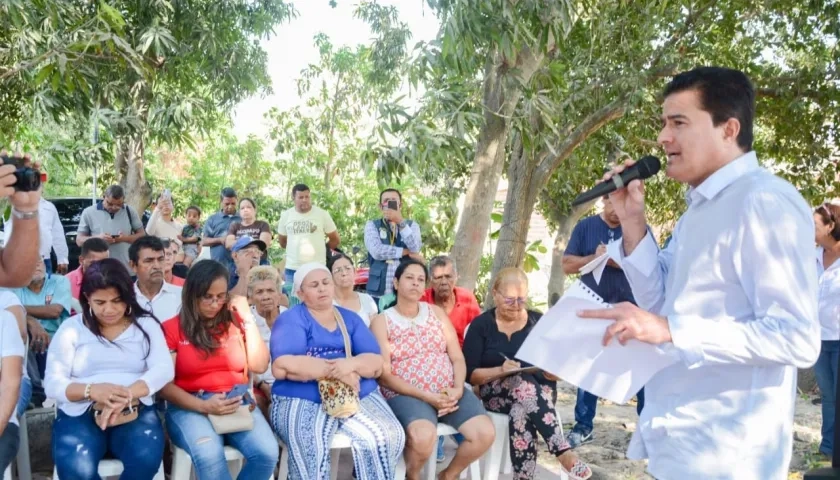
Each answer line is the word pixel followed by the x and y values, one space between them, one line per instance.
pixel 246 254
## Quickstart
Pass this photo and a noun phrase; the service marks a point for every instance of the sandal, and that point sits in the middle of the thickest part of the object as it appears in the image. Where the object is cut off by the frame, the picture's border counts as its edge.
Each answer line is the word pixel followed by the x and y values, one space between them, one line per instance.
pixel 579 471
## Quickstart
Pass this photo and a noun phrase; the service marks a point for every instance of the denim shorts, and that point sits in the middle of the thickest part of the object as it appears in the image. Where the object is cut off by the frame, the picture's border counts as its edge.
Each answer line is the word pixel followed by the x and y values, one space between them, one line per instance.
pixel 408 409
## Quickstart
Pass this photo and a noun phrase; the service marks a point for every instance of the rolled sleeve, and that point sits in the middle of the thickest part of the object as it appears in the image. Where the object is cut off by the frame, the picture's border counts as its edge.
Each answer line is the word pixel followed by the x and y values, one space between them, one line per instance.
pixel 161 369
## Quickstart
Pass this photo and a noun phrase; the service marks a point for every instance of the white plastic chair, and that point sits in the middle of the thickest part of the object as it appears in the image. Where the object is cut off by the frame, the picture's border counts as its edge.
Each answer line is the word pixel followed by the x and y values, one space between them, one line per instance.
pixel 182 465
pixel 430 469
pixel 339 441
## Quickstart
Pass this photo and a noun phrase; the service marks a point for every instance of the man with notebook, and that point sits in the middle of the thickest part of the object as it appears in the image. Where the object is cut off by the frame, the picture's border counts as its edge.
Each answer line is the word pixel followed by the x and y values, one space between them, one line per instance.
pixel 733 298
pixel 588 242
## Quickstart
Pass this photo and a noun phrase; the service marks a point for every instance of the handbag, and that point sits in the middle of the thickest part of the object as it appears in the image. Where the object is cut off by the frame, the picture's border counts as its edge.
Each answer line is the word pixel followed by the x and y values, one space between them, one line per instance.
pixel 338 399
pixel 240 420
pixel 127 415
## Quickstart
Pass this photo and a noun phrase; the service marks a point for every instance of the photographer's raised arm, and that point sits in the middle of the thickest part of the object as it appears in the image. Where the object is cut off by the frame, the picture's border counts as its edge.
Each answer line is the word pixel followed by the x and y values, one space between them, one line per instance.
pixel 18 257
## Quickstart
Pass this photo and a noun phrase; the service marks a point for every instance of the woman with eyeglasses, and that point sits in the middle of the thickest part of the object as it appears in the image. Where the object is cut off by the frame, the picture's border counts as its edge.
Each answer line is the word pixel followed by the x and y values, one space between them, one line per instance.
pixel 423 376
pixel 216 346
pixel 344 276
pixel 528 397
pixel 827 236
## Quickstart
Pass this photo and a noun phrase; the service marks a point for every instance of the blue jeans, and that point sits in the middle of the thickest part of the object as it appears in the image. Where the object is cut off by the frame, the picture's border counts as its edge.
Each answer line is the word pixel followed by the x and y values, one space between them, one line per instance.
pixel 78 445
pixel 9 444
pixel 826 372
pixel 24 397
pixel 586 405
pixel 48 264
pixel 193 432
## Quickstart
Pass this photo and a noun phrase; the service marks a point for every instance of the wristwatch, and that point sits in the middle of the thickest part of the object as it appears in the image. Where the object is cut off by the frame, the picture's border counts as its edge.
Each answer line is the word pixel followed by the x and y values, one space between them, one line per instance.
pixel 25 215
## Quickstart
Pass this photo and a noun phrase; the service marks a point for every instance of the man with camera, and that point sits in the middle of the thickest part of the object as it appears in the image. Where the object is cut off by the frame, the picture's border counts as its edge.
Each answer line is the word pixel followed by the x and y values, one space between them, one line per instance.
pixel 388 240
pixel 20 182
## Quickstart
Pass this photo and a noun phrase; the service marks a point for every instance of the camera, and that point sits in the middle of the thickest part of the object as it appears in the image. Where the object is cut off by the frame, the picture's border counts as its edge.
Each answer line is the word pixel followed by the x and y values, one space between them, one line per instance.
pixel 27 179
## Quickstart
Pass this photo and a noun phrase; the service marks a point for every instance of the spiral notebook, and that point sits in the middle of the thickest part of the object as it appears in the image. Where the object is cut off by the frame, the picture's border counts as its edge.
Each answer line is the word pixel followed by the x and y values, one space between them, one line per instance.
pixel 571 348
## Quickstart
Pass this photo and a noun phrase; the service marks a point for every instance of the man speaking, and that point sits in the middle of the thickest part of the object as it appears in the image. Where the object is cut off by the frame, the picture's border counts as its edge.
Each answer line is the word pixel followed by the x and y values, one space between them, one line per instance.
pixel 733 296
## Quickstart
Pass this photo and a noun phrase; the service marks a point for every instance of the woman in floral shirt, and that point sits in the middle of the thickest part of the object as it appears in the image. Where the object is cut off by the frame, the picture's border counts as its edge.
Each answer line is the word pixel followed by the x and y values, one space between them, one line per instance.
pixel 490 344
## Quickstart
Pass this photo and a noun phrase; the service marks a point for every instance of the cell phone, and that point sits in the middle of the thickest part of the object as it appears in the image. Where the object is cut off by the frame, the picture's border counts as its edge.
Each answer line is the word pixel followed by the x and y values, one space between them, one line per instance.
pixel 392 205
pixel 238 391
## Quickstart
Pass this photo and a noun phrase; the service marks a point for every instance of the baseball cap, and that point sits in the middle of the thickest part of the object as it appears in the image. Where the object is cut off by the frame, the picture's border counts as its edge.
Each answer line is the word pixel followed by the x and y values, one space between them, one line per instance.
pixel 245 242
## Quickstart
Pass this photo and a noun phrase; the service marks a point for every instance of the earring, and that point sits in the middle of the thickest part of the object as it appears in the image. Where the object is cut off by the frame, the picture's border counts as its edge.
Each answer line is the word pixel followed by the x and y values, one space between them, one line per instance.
pixel 128 313
pixel 90 310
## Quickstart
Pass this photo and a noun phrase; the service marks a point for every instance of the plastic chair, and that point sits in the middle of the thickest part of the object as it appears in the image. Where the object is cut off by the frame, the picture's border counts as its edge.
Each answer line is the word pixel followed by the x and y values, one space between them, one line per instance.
pixel 430 469
pixel 497 458
pixel 182 465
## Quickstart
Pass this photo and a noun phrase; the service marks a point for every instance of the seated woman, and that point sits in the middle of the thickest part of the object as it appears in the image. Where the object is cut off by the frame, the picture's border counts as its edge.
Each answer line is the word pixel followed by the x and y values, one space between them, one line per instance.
pixel 215 345
pixel 264 295
pixel 490 344
pixel 424 374
pixel 344 276
pixel 12 351
pixel 103 364
pixel 307 344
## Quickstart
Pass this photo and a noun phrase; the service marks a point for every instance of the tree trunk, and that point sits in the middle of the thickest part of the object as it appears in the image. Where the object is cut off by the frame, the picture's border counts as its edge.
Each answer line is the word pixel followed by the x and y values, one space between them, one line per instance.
pixel 502 91
pixel 131 171
pixel 516 219
pixel 557 278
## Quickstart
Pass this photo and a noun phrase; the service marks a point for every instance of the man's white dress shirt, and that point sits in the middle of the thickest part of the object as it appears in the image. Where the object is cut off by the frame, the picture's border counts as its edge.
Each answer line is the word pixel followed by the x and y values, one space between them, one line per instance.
pixel 165 305
pixel 50 232
pixel 738 284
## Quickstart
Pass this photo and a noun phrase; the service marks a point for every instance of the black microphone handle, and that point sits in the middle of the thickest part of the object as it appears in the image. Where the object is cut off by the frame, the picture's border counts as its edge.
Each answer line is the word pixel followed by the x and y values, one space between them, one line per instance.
pixel 607 187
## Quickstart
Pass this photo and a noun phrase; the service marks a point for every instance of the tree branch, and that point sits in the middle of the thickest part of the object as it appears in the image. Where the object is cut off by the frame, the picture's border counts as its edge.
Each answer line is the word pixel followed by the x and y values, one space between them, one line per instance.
pixel 584 130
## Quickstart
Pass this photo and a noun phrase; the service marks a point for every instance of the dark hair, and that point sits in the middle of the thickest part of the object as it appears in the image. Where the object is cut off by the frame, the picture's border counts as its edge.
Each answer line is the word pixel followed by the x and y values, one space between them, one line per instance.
pixel 195 209
pixel 300 187
pixel 111 273
pixel 115 191
pixel 383 192
pixel 93 244
pixel 724 93
pixel 227 192
pixel 401 268
pixel 250 200
pixel 148 241
pixel 441 261
pixel 336 257
pixel 199 331
pixel 830 214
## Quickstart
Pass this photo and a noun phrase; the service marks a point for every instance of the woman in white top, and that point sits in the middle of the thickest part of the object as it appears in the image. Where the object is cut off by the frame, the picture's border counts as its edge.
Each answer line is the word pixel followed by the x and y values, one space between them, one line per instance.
pixel 103 368
pixel 264 295
pixel 827 235
pixel 161 224
pixel 344 275
pixel 11 372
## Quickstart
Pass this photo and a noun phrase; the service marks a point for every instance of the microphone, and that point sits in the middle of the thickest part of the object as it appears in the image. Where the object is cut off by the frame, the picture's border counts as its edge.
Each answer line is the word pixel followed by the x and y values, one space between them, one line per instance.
pixel 645 168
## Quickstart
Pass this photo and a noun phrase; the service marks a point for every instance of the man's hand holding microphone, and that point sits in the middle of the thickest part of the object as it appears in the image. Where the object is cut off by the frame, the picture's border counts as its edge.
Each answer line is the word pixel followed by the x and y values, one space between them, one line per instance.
pixel 628 200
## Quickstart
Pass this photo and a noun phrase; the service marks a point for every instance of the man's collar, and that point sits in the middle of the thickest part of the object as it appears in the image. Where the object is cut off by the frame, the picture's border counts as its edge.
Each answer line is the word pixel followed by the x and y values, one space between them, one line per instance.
pixel 723 177
pixel 165 288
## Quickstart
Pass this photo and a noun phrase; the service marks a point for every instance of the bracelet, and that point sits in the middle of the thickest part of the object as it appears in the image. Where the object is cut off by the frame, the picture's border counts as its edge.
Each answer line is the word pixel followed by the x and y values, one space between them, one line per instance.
pixel 87 391
pixel 25 215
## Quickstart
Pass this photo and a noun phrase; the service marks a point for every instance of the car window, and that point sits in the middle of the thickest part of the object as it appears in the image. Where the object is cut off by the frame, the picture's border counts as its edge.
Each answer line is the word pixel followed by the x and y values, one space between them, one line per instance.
pixel 70 210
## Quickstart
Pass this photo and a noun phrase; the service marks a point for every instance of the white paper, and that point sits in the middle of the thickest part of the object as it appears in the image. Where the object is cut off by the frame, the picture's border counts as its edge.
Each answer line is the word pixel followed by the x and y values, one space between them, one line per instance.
pixel 571 348
pixel 596 267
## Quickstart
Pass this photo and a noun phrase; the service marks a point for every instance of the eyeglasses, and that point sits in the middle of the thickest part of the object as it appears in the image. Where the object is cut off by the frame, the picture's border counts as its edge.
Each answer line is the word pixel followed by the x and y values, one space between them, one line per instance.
pixel 511 301
pixel 347 269
pixel 208 300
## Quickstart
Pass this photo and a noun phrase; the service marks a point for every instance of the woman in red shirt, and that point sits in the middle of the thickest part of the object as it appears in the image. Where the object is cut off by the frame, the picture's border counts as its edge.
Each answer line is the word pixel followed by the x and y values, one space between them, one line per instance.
pixel 215 345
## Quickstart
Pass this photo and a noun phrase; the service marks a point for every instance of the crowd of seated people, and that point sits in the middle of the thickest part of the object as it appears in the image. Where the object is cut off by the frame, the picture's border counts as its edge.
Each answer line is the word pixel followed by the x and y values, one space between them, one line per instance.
pixel 137 365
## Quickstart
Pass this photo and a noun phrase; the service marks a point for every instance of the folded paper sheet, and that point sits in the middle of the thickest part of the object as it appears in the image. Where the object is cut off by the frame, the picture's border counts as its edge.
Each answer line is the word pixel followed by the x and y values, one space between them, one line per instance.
pixel 571 348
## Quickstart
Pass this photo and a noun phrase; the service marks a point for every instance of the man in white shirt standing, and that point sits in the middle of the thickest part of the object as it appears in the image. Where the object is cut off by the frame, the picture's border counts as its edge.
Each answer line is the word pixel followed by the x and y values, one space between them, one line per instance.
pixel 733 297
pixel 11 373
pixel 50 233
pixel 147 257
